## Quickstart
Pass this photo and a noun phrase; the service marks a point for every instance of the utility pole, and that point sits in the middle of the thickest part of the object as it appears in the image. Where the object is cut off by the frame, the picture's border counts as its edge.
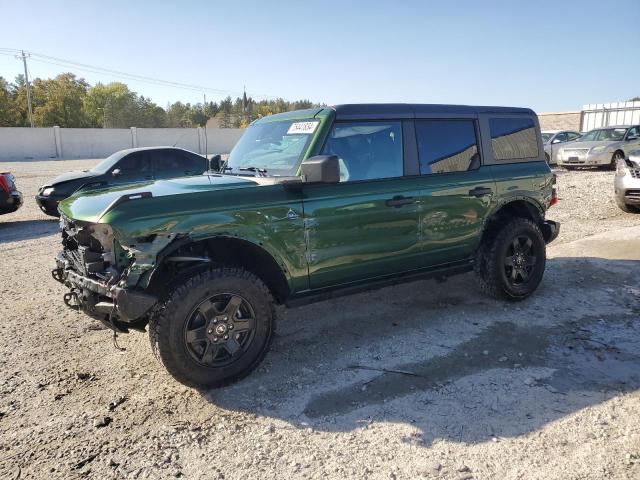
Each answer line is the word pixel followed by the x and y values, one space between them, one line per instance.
pixel 26 79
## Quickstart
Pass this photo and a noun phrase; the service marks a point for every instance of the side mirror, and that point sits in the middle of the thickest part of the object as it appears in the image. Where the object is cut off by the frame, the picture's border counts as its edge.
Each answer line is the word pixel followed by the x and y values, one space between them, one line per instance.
pixel 556 140
pixel 116 173
pixel 632 137
pixel 215 163
pixel 321 169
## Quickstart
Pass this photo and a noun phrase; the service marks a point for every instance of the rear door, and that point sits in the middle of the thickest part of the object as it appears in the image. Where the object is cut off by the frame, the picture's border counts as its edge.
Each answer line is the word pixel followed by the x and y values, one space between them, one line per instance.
pixel 457 192
pixel 366 226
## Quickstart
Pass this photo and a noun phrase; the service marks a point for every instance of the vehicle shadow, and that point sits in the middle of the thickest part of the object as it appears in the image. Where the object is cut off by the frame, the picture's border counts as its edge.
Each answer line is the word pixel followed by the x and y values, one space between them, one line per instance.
pixel 450 361
pixel 14 231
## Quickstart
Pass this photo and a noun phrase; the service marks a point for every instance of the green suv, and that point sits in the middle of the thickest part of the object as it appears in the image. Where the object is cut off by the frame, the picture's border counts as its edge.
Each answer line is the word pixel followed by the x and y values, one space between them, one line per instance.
pixel 310 204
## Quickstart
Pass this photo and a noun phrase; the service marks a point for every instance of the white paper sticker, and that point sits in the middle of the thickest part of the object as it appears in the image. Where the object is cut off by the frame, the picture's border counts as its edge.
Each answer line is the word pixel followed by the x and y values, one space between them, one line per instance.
pixel 304 128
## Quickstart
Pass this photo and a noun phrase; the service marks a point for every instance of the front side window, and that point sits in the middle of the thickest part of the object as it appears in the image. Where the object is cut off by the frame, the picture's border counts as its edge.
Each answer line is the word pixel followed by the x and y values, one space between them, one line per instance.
pixel 366 150
pixel 573 136
pixel 562 137
pixel 447 146
pixel 135 166
pixel 272 148
pixel 634 132
pixel 513 138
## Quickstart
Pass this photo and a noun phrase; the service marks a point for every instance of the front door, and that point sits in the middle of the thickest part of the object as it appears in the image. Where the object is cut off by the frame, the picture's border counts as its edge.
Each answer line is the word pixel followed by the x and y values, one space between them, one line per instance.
pixel 366 226
pixel 456 191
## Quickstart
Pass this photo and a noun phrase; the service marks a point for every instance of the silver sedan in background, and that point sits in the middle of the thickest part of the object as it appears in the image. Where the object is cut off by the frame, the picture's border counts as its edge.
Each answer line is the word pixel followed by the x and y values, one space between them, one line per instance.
pixel 600 147
pixel 627 183
pixel 551 140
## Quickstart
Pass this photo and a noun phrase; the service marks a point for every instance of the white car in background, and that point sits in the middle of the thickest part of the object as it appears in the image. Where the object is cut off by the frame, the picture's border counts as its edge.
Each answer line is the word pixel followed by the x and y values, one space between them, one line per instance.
pixel 600 147
pixel 551 140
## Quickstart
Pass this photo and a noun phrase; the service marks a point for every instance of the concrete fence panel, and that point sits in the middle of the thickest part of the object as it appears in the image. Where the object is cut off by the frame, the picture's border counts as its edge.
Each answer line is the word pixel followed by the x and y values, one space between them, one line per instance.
pixel 93 142
pixel 180 137
pixel 27 143
pixel 39 143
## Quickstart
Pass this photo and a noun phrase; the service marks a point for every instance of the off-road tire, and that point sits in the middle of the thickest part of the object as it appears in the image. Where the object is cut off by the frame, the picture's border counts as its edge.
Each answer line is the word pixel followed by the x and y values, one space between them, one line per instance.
pixel 166 328
pixel 489 266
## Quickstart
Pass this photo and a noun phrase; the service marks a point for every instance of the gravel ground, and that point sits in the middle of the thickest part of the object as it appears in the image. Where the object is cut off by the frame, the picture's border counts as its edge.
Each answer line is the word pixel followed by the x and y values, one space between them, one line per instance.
pixel 422 380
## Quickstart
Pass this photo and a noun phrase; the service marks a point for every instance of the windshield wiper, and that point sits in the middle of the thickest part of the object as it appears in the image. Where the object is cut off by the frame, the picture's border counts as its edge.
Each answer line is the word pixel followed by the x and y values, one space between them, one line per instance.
pixel 261 171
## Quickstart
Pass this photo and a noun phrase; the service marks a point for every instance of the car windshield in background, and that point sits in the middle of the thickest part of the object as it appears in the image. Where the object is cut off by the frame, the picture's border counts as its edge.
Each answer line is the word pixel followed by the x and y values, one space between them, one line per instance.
pixel 106 164
pixel 604 135
pixel 546 137
pixel 275 148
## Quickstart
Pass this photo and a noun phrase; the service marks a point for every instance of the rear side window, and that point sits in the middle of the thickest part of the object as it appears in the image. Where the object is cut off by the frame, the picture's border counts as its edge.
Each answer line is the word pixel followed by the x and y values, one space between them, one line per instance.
pixel 513 138
pixel 447 146
pixel 366 150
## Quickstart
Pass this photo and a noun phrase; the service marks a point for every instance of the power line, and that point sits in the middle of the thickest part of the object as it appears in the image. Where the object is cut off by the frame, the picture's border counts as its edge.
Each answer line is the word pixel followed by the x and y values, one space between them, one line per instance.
pixel 129 76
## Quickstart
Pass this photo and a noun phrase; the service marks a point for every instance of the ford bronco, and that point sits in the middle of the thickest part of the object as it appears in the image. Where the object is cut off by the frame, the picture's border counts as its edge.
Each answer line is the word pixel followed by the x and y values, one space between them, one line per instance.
pixel 310 204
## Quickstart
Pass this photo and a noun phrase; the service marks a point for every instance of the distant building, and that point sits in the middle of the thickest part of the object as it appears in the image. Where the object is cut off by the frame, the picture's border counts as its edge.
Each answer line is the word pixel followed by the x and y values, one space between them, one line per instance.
pixel 593 115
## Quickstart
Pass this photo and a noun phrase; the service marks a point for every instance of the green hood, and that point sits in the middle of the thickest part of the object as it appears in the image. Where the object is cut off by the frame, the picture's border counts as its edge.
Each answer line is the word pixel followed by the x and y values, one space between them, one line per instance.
pixel 93 205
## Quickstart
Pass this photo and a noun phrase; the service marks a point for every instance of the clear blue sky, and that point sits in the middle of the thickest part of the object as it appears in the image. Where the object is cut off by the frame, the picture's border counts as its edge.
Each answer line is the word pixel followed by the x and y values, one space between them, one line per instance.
pixel 548 55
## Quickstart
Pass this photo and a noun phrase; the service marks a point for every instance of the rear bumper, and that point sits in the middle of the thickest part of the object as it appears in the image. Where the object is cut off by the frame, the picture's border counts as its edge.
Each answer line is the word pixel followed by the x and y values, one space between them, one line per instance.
pixel 550 230
pixel 10 202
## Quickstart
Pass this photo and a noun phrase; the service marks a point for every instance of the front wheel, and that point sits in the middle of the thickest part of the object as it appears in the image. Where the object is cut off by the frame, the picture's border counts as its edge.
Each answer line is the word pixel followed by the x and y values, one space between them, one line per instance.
pixel 215 328
pixel 511 261
pixel 614 160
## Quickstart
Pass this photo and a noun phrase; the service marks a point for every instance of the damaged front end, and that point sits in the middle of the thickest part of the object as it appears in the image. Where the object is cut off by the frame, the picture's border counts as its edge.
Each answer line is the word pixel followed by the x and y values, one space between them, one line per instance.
pixel 103 276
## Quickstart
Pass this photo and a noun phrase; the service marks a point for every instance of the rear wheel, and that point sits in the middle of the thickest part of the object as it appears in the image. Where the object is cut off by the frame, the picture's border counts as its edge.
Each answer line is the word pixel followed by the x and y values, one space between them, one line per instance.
pixel 215 328
pixel 511 262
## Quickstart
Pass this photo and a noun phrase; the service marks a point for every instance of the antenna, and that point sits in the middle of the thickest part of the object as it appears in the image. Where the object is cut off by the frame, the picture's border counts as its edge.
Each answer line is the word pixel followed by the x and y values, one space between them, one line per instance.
pixel 204 108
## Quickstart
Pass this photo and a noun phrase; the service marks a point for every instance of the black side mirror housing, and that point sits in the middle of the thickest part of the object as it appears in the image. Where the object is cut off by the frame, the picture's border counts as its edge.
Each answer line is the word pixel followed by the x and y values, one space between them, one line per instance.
pixel 321 169
pixel 215 163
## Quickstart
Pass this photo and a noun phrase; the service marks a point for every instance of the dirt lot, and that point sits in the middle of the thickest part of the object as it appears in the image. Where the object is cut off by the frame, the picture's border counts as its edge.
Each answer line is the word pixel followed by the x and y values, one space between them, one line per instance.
pixel 423 380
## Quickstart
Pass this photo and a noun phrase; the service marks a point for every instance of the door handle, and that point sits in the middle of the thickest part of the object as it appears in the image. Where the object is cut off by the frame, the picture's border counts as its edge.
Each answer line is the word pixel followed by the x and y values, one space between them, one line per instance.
pixel 480 192
pixel 399 201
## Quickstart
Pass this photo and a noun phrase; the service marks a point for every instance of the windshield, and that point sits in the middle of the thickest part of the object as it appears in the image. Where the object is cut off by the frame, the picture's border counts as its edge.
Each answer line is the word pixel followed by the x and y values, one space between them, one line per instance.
pixel 604 135
pixel 106 164
pixel 272 148
pixel 546 137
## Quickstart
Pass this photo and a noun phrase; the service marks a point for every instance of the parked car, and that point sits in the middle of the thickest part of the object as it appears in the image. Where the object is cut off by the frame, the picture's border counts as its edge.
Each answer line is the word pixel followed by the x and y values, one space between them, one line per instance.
pixel 10 197
pixel 627 183
pixel 126 166
pixel 600 147
pixel 551 140
pixel 310 204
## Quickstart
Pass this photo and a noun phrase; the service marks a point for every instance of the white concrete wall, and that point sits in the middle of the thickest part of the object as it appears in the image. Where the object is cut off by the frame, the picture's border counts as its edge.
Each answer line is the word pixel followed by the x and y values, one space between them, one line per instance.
pixel 27 143
pixel 40 143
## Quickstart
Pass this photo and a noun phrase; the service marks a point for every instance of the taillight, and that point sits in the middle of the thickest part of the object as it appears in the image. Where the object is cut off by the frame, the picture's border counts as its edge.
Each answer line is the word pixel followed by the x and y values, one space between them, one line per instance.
pixel 554 192
pixel 4 183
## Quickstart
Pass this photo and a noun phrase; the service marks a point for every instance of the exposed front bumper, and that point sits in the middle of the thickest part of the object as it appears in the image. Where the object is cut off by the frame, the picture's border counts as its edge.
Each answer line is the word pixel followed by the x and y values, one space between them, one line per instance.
pixel 115 306
pixel 550 230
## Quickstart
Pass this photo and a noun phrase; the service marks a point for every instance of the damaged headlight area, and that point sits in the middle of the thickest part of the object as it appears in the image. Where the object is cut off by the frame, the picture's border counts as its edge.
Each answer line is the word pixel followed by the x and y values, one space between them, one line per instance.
pixel 101 274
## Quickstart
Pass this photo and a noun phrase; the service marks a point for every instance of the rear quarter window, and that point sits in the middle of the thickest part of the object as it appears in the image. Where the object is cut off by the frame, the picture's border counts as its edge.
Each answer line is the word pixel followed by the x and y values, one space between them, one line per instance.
pixel 513 138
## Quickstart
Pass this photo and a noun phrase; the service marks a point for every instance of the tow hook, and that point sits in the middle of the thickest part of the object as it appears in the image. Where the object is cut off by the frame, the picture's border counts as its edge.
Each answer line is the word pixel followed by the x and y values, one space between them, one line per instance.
pixel 56 273
pixel 68 297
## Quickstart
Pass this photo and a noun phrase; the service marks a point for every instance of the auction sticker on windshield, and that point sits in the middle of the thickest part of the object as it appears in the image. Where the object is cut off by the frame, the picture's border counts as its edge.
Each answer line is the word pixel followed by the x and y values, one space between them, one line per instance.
pixel 304 128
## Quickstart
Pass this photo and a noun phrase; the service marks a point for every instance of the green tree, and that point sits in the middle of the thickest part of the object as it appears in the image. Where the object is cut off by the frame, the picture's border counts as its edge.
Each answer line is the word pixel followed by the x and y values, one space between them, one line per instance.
pixel 59 101
pixel 111 106
pixel 179 115
pixel 6 104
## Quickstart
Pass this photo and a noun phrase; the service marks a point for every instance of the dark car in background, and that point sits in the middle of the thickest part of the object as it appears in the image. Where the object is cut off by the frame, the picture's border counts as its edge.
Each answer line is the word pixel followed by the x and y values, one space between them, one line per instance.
pixel 126 166
pixel 10 197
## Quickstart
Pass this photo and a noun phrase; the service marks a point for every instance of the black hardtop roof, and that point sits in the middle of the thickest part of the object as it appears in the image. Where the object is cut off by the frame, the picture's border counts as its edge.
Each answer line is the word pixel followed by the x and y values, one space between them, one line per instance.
pixel 411 110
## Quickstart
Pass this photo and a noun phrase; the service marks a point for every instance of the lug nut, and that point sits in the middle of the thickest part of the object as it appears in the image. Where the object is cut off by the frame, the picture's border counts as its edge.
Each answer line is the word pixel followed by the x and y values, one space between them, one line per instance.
pixel 231 326
pixel 209 331
pixel 215 320
pixel 215 339
pixel 226 337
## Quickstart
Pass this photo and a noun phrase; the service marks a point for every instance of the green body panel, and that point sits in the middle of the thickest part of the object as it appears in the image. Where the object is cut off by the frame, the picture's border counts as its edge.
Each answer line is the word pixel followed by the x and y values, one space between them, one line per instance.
pixel 323 235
